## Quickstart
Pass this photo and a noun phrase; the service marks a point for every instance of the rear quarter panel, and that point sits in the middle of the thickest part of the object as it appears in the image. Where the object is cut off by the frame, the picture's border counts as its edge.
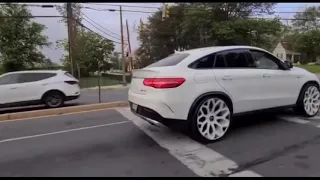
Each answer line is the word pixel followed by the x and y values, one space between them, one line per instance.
pixel 180 99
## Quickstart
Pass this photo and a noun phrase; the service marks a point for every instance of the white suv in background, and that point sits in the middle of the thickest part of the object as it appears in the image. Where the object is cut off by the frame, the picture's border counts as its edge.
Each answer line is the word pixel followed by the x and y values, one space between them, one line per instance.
pixel 51 88
pixel 206 87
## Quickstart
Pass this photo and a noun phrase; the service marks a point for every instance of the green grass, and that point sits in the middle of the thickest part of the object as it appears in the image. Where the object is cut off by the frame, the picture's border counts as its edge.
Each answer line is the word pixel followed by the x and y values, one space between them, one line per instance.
pixel 311 68
pixel 93 82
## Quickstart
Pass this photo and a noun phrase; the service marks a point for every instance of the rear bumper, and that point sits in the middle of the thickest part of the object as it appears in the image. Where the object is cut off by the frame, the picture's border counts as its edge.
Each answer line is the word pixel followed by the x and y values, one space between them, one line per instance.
pixel 155 105
pixel 152 116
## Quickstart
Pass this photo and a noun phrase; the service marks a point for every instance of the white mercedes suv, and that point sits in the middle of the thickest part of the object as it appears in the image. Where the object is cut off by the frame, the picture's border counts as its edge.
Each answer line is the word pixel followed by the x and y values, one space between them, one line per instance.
pixel 51 88
pixel 205 87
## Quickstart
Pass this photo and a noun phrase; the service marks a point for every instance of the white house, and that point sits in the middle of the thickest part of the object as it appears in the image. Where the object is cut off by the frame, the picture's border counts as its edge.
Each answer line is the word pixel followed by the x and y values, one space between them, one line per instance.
pixel 284 51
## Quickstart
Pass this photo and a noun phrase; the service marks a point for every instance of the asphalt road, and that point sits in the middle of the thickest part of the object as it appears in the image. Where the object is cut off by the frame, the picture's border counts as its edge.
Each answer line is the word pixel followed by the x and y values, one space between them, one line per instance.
pixel 92 96
pixel 116 143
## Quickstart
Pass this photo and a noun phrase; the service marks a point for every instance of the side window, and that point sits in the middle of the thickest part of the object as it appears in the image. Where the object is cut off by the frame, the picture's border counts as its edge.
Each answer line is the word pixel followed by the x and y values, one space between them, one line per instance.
pixel 236 59
pixel 32 77
pixel 9 79
pixel 264 60
pixel 220 62
pixel 250 59
pixel 205 62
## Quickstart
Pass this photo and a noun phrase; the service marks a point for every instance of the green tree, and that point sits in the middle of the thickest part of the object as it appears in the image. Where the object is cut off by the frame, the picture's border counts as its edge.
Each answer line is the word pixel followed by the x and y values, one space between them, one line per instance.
pixel 307 20
pixel 305 35
pixel 21 40
pixel 94 50
pixel 89 48
pixel 206 24
pixel 115 61
pixel 308 43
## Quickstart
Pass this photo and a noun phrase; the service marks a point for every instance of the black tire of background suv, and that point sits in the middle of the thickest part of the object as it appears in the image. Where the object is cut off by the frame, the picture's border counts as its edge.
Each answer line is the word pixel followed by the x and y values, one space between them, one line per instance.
pixel 299 109
pixel 50 94
pixel 193 129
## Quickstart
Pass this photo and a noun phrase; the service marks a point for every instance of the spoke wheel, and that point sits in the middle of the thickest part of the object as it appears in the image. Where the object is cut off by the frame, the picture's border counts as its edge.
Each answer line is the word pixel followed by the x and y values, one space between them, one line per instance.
pixel 308 103
pixel 212 119
pixel 311 100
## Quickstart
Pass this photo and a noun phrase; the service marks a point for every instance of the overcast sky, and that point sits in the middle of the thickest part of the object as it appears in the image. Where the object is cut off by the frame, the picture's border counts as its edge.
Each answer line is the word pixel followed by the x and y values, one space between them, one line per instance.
pixel 111 21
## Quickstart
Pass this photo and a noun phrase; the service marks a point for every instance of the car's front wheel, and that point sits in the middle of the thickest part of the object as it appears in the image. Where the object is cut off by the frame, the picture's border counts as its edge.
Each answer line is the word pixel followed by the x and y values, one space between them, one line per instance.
pixel 211 119
pixel 53 99
pixel 309 100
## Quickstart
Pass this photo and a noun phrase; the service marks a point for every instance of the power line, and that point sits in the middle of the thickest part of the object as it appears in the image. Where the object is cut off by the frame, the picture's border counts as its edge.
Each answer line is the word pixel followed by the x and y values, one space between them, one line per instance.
pixel 102 27
pixel 124 5
pixel 95 32
pixel 32 16
pixel 98 29
pixel 151 12
pixel 112 10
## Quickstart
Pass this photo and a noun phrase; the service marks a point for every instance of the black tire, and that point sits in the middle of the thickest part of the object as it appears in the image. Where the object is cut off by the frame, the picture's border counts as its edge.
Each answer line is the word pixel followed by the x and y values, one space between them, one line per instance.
pixel 53 99
pixel 299 108
pixel 193 124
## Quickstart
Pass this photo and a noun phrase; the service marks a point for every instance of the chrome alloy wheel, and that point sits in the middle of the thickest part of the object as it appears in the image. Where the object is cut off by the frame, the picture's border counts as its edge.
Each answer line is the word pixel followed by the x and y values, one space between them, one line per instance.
pixel 213 118
pixel 311 100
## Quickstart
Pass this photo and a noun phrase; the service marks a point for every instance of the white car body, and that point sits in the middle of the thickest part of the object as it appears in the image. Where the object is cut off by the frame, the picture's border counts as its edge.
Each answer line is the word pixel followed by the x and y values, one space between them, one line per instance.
pixel 249 89
pixel 22 89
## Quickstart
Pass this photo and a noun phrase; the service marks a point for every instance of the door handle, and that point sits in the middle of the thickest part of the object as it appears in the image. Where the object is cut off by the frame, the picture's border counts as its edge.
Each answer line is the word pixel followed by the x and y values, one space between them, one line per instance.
pixel 226 78
pixel 265 76
pixel 13 88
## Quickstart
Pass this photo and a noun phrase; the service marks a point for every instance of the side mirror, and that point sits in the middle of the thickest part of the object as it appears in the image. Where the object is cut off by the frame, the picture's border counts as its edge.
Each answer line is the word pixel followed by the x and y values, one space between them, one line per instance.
pixel 288 64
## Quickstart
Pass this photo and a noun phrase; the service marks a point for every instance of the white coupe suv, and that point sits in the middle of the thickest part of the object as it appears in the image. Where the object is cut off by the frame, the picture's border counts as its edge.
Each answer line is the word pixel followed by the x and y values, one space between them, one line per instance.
pixel 205 87
pixel 51 88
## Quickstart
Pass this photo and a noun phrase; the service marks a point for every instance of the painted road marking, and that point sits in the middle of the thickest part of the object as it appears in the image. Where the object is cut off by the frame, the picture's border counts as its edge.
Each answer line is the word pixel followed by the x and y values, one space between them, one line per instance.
pixel 202 160
pixel 61 132
pixel 294 119
pixel 245 174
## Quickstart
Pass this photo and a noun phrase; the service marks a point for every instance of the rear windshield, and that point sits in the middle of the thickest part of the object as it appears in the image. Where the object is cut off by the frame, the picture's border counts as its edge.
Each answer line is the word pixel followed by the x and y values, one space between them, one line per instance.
pixel 171 60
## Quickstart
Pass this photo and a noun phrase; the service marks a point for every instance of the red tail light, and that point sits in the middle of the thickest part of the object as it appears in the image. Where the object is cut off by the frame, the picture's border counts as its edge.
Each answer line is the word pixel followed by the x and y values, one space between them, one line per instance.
pixel 71 82
pixel 162 83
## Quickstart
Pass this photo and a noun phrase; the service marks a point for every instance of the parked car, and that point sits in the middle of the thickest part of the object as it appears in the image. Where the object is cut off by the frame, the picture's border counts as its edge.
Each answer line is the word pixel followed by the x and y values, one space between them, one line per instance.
pixel 51 88
pixel 206 87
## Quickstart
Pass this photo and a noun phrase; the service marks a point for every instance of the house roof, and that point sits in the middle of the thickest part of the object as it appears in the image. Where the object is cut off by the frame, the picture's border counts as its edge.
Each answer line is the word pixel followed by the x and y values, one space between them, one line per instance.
pixel 287 47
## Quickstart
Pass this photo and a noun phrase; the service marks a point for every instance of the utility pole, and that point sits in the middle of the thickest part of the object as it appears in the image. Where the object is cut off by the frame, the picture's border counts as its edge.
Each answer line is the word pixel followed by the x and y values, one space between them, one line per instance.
pixel 70 34
pixel 128 35
pixel 122 49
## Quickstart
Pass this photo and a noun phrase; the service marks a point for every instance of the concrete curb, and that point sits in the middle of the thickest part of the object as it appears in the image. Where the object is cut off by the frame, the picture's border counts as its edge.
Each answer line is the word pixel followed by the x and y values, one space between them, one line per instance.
pixel 63 110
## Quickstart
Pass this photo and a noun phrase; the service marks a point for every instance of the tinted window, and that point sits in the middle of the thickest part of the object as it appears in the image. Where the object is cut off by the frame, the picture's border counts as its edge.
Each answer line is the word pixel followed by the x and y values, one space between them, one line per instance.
pixel 264 60
pixel 32 77
pixel 251 62
pixel 9 79
pixel 236 59
pixel 171 60
pixel 204 62
pixel 220 62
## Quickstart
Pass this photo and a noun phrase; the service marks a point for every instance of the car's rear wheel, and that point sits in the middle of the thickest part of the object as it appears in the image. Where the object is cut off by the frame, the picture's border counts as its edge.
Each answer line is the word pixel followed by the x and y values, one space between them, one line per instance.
pixel 211 119
pixel 309 100
pixel 54 99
